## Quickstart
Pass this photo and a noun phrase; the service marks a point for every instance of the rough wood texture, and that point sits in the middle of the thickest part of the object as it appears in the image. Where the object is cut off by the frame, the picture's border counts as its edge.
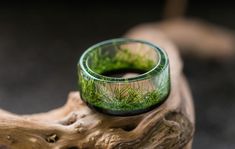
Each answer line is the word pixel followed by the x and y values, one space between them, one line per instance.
pixel 75 126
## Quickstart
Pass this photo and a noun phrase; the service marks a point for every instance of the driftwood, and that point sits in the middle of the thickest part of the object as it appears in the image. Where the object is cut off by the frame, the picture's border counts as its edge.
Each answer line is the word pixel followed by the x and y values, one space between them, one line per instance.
pixel 75 126
pixel 193 37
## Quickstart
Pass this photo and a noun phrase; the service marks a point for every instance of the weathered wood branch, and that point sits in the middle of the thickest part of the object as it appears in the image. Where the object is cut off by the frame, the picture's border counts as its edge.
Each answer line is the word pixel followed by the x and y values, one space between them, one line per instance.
pixel 75 126
pixel 166 126
pixel 194 36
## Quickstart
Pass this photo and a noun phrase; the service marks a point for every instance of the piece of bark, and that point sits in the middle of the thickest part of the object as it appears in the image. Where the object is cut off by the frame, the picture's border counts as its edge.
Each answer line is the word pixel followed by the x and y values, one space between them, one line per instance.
pixel 75 126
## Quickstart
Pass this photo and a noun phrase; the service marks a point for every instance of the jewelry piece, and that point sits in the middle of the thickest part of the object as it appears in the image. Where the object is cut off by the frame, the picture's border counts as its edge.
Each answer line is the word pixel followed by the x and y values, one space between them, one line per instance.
pixel 124 76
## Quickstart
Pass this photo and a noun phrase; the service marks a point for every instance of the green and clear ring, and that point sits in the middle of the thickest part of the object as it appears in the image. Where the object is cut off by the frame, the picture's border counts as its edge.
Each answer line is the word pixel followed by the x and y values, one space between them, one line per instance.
pixel 124 76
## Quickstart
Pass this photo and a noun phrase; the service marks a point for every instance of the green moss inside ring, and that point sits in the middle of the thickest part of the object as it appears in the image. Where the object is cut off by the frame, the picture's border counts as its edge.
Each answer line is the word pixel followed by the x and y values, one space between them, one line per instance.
pixel 123 95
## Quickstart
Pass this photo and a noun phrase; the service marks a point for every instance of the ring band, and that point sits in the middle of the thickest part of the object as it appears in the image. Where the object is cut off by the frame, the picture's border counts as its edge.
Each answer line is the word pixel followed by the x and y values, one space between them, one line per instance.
pixel 124 76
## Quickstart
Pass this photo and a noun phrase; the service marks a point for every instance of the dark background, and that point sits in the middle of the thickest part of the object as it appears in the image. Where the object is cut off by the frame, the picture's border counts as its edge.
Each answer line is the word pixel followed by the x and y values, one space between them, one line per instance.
pixel 40 44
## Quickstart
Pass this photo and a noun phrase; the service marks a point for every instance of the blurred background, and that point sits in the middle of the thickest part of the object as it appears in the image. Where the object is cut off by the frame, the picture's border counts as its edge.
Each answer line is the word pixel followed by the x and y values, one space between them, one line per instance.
pixel 40 44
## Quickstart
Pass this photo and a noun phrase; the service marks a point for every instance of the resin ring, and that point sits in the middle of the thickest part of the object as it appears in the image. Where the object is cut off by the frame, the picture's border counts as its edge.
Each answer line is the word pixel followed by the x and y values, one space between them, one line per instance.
pixel 124 76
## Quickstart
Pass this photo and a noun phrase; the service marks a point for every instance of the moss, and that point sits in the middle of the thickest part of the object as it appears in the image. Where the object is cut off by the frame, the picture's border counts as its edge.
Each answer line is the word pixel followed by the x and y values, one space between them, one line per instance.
pixel 126 99
pixel 102 62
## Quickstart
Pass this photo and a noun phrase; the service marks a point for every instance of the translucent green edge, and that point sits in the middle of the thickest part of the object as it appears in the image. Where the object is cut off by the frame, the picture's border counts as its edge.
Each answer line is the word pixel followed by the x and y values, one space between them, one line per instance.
pixel 136 100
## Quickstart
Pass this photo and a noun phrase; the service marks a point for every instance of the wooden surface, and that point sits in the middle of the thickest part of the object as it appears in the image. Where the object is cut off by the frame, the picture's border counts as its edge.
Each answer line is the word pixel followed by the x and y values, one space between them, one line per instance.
pixel 20 35
pixel 76 126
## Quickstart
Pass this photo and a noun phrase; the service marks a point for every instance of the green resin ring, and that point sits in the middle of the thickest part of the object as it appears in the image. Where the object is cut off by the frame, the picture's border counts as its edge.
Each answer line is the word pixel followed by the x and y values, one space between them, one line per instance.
pixel 124 76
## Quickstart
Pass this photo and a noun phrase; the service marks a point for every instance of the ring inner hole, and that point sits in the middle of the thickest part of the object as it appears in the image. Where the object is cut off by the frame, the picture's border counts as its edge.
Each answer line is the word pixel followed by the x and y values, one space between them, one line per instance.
pixel 123 60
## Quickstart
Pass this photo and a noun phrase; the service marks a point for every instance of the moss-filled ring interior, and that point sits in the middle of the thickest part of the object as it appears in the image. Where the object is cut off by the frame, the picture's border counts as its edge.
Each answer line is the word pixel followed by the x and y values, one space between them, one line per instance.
pixel 102 62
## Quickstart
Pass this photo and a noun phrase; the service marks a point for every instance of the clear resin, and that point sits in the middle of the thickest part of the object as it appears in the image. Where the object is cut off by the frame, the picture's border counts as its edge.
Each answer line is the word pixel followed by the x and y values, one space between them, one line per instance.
pixel 124 76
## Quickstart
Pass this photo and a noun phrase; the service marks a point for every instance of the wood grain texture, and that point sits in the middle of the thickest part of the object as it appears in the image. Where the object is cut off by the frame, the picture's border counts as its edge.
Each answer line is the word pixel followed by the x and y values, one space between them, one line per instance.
pixel 76 126
pixel 171 125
